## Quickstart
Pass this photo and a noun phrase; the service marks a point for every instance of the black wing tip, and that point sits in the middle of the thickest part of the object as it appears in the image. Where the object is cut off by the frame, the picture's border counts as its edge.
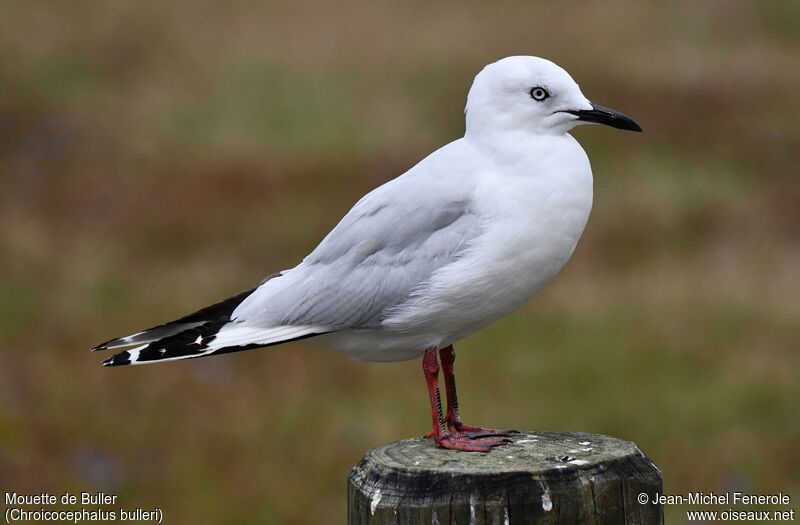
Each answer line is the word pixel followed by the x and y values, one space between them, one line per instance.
pixel 217 312
pixel 103 345
pixel 184 346
pixel 120 359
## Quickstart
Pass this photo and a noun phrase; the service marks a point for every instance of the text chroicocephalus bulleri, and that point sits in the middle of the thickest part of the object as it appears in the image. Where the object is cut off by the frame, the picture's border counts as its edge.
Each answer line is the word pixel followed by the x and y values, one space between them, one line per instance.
pixel 458 241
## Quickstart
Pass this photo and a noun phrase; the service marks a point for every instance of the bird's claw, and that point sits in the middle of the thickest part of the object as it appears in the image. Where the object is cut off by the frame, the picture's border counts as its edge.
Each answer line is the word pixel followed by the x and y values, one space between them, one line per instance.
pixel 467 444
pixel 471 432
pixel 459 429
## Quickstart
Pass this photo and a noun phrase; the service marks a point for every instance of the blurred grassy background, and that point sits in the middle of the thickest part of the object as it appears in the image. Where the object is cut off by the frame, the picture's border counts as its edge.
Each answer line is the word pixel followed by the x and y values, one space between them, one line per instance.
pixel 155 157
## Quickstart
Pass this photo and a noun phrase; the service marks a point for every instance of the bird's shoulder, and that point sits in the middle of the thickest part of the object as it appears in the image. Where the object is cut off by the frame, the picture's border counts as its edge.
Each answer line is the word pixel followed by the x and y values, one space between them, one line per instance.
pixel 436 193
pixel 447 174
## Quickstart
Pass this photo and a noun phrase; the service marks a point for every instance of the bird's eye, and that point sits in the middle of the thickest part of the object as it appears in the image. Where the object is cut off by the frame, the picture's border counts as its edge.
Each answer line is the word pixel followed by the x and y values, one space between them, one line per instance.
pixel 539 93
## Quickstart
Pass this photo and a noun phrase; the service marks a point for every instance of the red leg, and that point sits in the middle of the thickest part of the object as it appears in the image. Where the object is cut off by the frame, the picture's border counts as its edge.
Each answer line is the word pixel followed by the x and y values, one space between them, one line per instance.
pixel 439 432
pixel 453 418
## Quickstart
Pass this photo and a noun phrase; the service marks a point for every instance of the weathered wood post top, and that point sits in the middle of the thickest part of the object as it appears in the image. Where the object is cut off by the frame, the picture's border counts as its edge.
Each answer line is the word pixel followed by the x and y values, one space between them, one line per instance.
pixel 540 477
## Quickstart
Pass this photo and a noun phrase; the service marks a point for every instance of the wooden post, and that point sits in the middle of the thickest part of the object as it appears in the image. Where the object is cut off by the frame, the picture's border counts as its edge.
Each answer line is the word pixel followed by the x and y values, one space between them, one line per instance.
pixel 541 477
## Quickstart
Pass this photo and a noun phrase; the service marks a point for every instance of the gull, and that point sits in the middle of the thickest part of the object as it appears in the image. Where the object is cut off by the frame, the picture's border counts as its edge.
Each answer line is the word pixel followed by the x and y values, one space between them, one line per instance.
pixel 460 240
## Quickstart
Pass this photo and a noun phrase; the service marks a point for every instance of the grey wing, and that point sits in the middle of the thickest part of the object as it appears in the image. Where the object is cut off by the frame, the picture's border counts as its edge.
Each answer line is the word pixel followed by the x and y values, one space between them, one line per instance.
pixel 390 243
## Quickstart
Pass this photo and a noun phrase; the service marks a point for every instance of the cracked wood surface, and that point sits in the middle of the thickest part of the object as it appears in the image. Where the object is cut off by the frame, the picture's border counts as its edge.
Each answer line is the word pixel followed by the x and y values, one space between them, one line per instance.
pixel 541 477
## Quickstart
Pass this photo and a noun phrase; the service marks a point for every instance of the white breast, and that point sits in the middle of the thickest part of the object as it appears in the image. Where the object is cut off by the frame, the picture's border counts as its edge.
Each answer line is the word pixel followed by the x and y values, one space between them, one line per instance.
pixel 534 211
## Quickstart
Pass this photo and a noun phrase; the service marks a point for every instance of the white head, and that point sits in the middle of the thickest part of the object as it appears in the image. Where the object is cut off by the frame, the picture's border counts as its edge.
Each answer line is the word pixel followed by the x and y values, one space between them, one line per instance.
pixel 524 93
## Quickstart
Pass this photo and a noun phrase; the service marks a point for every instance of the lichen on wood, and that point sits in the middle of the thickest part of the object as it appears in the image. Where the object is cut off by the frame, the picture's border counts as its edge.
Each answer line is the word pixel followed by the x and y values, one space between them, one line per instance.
pixel 540 477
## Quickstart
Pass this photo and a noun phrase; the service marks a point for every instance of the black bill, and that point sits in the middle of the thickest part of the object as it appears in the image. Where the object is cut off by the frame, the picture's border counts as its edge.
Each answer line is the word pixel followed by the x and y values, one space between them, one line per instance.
pixel 600 115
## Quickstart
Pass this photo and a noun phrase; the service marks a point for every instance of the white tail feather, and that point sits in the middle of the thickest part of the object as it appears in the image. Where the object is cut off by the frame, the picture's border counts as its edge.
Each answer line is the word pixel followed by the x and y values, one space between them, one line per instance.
pixel 235 334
